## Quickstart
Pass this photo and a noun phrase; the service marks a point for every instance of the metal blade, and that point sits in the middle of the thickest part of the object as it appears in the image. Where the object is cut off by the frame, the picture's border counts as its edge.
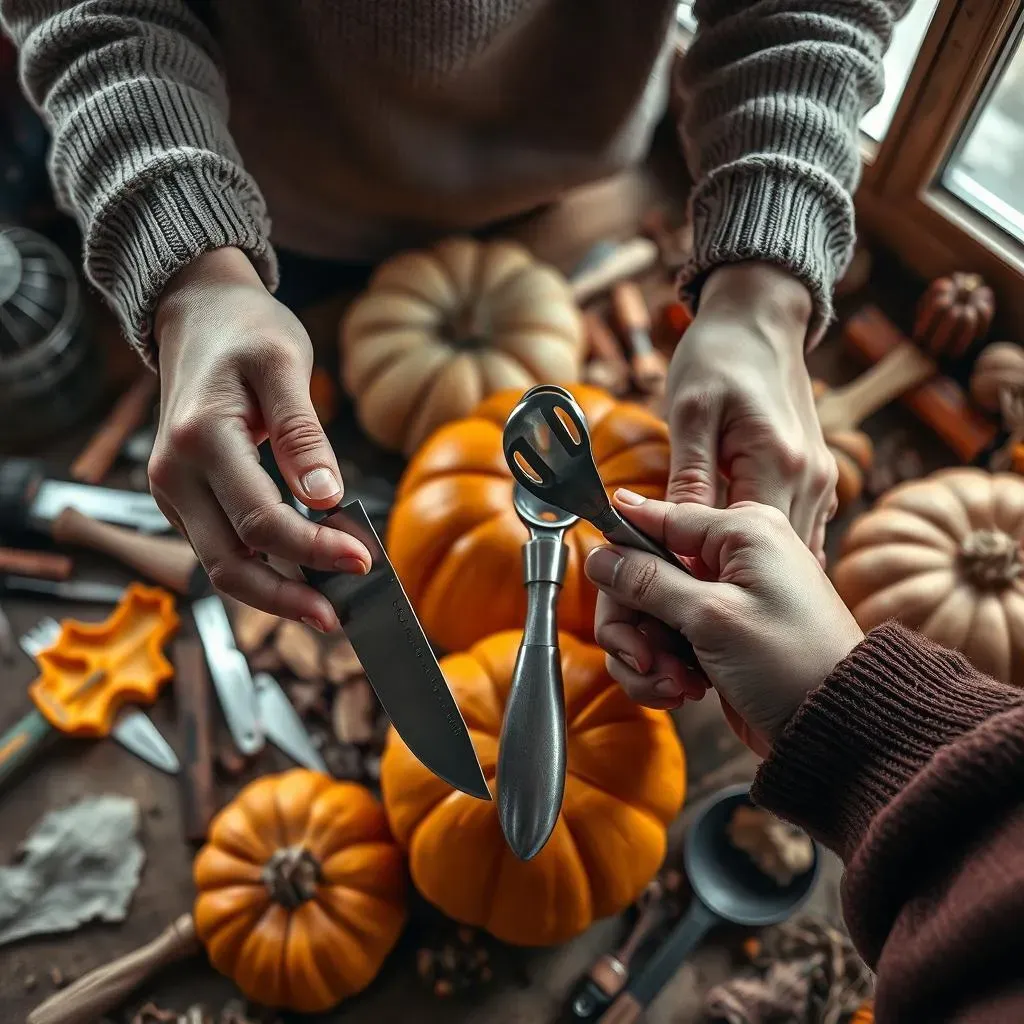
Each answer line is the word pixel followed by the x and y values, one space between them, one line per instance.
pixel 126 508
pixel 137 733
pixel 396 657
pixel 42 635
pixel 86 591
pixel 282 724
pixel 230 674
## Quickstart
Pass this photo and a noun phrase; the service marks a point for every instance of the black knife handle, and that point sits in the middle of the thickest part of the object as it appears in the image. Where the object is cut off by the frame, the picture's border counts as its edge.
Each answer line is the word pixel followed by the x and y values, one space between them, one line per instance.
pixel 19 482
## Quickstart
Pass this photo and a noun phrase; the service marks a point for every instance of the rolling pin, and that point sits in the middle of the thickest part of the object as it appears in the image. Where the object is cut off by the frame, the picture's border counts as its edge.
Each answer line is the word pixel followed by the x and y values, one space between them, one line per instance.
pixel 940 402
pixel 40 565
pixel 192 696
pixel 623 261
pixel 166 560
pixel 128 414
pixel 648 365
pixel 104 988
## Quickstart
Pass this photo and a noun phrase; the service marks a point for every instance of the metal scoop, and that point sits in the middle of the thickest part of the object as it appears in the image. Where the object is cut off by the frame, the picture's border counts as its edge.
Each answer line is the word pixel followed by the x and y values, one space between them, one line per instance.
pixel 728 888
pixel 531 758
pixel 547 447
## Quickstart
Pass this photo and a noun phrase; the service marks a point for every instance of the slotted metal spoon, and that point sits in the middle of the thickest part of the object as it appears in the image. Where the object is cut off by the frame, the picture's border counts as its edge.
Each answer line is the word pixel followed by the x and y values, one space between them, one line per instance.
pixel 547 447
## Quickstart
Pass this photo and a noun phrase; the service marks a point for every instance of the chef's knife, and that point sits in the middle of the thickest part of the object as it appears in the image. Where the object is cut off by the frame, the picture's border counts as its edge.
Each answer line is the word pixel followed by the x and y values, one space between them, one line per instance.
pixel 387 637
pixel 29 500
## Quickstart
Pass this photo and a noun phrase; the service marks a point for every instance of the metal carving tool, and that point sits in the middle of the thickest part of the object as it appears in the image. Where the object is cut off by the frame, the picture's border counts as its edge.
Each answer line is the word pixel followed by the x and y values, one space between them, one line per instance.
pixel 230 673
pixel 30 500
pixel 547 447
pixel 531 757
pixel 85 591
pixel 283 726
pixel 132 728
pixel 388 639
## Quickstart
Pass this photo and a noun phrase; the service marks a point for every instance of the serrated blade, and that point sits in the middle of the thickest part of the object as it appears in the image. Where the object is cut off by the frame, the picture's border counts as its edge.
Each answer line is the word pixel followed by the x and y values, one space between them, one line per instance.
pixel 283 726
pixel 230 674
pixel 396 657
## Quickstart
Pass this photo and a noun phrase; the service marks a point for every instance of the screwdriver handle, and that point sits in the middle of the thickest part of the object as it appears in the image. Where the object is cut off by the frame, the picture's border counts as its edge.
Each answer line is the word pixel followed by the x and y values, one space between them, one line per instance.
pixel 19 744
pixel 107 986
pixel 166 560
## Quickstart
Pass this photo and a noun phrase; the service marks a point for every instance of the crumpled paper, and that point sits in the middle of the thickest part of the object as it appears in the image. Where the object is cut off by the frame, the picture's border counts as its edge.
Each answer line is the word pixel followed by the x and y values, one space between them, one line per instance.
pixel 79 864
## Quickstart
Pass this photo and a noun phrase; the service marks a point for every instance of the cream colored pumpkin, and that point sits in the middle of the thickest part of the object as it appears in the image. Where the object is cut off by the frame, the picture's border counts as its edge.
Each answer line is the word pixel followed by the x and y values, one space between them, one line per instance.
pixel 438 331
pixel 943 556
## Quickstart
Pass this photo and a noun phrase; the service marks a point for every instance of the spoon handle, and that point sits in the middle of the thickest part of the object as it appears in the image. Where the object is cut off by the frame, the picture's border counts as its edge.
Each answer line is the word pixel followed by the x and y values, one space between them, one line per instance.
pixel 531 757
pixel 623 532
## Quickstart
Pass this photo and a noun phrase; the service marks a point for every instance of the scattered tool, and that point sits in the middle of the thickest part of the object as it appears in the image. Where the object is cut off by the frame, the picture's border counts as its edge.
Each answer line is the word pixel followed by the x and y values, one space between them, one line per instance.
pixel 649 366
pixel 531 756
pixel 128 413
pixel 8 647
pixel 547 447
pixel 30 501
pixel 607 263
pixel 38 564
pixel 169 561
pixel 255 708
pixel 388 639
pixel 610 972
pixel 85 591
pixel 192 696
pixel 607 367
pixel 727 888
pixel 91 672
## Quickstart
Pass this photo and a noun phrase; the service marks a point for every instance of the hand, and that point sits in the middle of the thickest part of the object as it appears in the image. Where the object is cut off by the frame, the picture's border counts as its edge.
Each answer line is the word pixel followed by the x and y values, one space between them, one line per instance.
pixel 763 617
pixel 739 402
pixel 235 367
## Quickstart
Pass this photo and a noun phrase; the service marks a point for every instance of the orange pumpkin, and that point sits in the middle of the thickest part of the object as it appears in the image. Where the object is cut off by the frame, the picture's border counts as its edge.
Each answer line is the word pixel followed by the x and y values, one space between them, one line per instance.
pixel 455 539
pixel 865 1014
pixel 625 779
pixel 943 556
pixel 953 313
pixel 301 891
pixel 438 331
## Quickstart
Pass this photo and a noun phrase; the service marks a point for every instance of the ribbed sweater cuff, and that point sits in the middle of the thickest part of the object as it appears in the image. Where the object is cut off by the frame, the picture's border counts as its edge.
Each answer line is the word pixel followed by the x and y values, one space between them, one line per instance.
pixel 153 229
pixel 779 211
pixel 878 719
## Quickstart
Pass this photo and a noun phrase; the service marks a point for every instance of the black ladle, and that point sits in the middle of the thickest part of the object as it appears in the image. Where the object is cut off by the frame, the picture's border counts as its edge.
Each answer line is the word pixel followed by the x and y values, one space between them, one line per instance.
pixel 531 756
pixel 546 443
pixel 728 888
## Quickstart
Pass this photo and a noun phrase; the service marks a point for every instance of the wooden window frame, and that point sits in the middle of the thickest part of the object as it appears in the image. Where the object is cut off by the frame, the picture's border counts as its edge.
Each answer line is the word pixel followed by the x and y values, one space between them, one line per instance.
pixel 901 203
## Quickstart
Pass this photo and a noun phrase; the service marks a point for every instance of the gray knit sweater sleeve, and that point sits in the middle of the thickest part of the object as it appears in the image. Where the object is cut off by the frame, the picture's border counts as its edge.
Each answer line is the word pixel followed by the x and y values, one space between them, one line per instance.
pixel 774 93
pixel 141 153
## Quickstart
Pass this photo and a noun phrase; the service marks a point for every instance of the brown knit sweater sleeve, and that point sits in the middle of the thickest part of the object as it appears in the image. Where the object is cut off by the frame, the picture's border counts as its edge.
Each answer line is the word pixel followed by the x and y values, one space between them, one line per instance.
pixel 141 152
pixel 910 765
pixel 774 93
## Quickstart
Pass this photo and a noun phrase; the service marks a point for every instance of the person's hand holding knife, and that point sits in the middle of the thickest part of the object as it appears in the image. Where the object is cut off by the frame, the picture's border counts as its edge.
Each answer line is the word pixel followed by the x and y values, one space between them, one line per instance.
pixel 235 367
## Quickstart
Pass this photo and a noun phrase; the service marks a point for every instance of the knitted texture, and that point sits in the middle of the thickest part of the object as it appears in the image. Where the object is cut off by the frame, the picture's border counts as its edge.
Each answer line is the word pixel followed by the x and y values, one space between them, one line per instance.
pixel 910 764
pixel 370 125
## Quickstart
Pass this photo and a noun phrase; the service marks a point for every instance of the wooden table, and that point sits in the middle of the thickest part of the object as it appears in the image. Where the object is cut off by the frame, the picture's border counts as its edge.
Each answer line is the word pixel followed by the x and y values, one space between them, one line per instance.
pixel 529 986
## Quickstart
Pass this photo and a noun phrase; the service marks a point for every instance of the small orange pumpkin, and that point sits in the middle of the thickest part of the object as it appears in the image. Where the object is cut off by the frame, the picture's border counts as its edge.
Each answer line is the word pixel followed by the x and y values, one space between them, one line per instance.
pixel 943 556
pixel 953 313
pixel 625 779
pixel 455 539
pixel 301 891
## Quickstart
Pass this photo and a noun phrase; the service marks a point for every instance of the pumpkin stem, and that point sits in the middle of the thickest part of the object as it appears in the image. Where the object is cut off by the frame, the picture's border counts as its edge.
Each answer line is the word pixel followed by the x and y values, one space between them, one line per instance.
pixel 991 559
pixel 291 876
pixel 469 327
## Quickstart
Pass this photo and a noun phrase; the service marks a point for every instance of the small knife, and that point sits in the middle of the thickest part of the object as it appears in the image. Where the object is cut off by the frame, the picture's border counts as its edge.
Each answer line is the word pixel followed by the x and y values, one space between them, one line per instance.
pixel 230 673
pixel 28 499
pixel 282 724
pixel 387 637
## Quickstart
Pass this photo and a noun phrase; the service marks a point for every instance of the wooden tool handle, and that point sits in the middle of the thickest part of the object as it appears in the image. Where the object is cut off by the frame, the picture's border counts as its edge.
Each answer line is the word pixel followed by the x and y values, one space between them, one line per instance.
pixel 40 565
pixel 20 742
pixel 130 410
pixel 608 368
pixel 192 694
pixel 899 370
pixel 940 401
pixel 628 260
pixel 166 560
pixel 631 308
pixel 104 988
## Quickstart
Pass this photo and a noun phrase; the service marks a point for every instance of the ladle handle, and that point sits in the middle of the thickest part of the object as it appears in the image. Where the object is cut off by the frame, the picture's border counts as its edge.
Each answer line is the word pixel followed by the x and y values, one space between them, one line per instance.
pixel 680 943
pixel 625 533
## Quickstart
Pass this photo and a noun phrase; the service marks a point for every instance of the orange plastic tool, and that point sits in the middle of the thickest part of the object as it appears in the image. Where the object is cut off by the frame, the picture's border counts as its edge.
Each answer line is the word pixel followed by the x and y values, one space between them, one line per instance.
pixel 95 669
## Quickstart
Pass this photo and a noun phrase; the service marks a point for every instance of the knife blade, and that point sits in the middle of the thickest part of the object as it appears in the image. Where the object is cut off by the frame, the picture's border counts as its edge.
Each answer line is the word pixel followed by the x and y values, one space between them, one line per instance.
pixel 29 499
pixel 388 639
pixel 282 724
pixel 230 674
